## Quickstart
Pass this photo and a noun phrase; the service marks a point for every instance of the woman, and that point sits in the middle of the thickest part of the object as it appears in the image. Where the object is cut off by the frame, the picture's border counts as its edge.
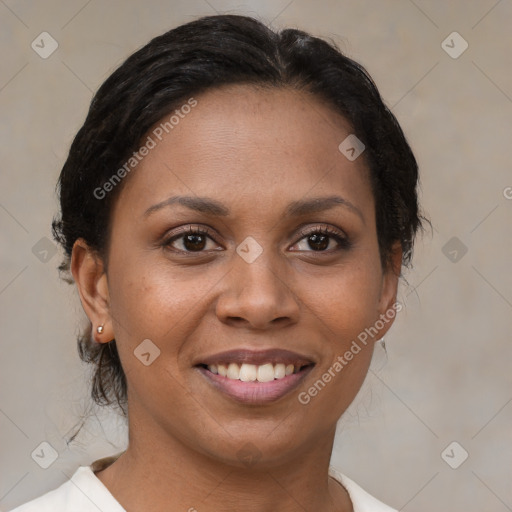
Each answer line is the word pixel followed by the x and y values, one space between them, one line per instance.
pixel 235 211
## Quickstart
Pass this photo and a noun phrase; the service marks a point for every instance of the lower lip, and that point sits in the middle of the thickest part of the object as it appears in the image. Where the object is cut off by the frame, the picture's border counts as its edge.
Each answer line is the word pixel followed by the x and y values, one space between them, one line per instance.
pixel 256 392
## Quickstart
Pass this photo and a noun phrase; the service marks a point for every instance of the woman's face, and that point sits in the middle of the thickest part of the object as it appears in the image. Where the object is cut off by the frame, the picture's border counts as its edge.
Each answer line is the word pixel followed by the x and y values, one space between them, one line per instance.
pixel 259 169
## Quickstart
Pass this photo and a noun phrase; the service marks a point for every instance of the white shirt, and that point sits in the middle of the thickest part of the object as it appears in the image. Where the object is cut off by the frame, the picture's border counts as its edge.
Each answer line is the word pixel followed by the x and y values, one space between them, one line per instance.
pixel 85 492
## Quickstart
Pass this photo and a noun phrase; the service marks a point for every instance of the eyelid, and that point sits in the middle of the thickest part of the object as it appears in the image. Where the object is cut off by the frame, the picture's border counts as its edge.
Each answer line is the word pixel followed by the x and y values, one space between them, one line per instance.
pixel 189 229
pixel 326 228
pixel 337 234
pixel 192 228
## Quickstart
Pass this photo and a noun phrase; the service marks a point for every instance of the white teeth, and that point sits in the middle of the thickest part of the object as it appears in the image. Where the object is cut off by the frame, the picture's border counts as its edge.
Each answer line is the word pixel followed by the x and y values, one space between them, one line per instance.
pixel 233 371
pixel 279 371
pixel 265 373
pixel 250 372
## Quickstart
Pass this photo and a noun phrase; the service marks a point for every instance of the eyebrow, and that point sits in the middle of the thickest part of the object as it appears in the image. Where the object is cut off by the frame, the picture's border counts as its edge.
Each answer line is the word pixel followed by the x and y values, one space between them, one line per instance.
pixel 210 206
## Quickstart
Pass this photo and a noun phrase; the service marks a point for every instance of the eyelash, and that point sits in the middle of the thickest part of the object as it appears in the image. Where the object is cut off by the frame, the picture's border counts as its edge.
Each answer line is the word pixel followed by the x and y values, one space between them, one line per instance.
pixel 343 242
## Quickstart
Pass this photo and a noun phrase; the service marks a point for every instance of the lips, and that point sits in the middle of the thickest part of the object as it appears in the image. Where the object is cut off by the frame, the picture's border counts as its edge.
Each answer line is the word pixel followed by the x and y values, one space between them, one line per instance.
pixel 256 357
pixel 255 376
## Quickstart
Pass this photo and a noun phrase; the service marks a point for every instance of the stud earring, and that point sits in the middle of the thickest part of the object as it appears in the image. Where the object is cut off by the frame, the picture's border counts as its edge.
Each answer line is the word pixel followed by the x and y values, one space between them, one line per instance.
pixel 99 329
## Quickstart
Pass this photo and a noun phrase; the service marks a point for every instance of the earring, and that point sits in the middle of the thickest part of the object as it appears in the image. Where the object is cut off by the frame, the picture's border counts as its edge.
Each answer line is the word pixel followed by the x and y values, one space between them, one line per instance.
pixel 99 329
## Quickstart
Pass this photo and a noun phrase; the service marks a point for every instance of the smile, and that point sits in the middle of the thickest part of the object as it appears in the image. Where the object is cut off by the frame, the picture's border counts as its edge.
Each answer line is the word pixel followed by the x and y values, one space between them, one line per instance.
pixel 250 372
pixel 255 377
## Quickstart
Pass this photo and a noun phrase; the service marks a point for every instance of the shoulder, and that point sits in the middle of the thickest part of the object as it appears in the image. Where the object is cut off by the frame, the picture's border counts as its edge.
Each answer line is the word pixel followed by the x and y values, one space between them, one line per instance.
pixel 83 492
pixel 361 500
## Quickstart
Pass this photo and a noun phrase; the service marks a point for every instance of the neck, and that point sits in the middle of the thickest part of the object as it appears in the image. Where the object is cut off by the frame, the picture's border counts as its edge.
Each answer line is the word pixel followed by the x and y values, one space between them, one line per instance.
pixel 156 472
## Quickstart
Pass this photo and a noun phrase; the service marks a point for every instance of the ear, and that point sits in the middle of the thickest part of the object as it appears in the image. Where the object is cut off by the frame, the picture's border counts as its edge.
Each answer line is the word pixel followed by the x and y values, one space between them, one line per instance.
pixel 88 271
pixel 388 306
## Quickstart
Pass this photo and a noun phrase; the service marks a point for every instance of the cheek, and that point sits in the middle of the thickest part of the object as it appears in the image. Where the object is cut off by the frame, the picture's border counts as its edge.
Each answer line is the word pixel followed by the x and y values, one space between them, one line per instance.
pixel 341 312
pixel 346 300
pixel 151 300
pixel 145 305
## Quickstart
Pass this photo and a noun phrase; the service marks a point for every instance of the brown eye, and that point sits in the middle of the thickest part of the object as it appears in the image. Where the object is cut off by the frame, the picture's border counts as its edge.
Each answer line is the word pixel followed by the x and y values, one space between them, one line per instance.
pixel 191 239
pixel 319 240
pixel 194 242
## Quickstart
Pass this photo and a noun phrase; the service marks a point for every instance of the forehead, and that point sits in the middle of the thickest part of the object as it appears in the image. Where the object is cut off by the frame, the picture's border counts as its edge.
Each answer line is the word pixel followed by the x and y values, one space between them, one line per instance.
pixel 251 143
pixel 278 121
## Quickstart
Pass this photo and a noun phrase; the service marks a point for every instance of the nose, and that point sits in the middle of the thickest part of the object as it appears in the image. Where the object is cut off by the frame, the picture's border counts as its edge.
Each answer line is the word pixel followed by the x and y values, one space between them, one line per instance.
pixel 257 295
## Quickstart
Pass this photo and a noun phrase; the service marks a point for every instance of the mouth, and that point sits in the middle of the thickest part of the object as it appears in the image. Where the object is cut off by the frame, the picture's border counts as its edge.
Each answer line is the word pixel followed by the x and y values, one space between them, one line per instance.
pixel 255 377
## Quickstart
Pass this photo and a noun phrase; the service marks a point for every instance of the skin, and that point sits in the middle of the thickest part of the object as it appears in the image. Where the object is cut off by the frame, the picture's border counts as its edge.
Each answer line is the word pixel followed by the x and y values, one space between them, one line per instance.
pixel 256 151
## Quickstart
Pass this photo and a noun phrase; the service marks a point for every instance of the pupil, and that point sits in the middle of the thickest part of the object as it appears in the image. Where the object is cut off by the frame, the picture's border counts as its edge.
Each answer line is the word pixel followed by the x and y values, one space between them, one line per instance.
pixel 195 243
pixel 320 239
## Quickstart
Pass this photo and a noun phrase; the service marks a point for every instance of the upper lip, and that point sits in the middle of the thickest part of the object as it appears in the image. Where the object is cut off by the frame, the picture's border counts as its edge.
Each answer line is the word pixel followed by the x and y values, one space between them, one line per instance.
pixel 256 357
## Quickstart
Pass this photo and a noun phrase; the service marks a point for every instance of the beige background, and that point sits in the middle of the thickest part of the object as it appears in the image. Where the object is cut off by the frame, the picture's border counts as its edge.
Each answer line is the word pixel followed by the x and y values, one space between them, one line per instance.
pixel 448 375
